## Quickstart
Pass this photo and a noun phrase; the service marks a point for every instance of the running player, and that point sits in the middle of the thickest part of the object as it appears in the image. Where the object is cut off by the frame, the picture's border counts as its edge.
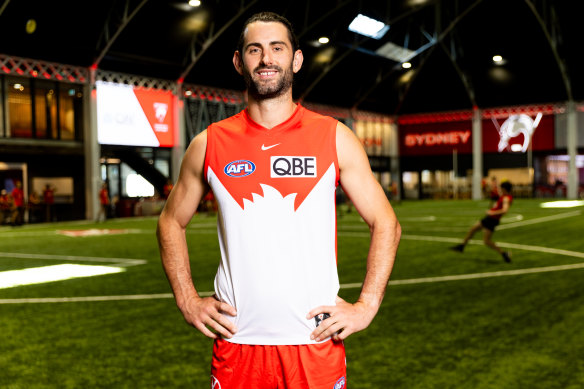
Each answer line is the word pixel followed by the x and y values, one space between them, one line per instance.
pixel 491 221
pixel 276 318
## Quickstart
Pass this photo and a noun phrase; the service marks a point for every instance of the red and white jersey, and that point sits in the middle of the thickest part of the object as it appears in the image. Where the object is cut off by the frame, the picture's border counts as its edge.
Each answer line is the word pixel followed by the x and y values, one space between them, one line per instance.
pixel 276 222
pixel 499 205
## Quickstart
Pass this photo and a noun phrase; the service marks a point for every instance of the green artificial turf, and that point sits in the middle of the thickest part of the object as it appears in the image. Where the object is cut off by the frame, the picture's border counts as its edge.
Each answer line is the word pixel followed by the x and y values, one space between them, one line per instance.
pixel 449 320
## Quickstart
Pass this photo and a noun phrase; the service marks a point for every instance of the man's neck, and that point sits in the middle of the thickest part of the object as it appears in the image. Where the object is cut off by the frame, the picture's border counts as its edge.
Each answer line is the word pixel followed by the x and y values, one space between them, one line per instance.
pixel 271 112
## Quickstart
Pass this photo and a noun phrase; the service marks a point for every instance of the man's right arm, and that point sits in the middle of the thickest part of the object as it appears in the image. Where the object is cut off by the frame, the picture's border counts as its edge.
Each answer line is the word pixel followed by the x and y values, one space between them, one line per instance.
pixel 206 314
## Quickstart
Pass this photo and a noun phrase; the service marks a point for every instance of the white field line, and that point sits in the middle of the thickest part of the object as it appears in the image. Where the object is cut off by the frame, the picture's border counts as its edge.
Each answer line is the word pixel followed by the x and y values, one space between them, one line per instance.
pixel 114 261
pixel 410 281
pixel 356 285
pixel 538 220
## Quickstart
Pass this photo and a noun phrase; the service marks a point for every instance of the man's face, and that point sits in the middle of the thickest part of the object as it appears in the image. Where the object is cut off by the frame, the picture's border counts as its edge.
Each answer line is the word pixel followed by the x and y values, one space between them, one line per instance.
pixel 267 61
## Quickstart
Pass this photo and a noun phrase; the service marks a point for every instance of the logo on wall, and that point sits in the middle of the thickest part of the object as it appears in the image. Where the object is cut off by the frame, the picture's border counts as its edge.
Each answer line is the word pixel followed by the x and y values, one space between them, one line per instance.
pixel 514 126
pixel 160 110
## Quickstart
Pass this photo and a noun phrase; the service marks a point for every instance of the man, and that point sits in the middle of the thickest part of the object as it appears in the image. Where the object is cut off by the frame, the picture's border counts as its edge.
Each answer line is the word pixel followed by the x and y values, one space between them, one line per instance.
pixel 492 220
pixel 104 203
pixel 18 202
pixel 276 319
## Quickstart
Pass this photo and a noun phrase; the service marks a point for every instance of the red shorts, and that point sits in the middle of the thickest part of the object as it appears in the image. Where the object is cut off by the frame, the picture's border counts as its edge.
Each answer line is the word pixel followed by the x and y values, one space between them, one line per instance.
pixel 314 366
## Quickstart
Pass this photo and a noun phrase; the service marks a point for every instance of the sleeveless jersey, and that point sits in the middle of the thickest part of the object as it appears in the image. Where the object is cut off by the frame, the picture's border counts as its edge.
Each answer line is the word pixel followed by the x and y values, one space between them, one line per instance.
pixel 276 222
pixel 499 205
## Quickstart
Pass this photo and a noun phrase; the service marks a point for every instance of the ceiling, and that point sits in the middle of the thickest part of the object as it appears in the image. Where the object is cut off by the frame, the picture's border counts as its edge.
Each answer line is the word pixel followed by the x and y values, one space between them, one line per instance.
pixel 453 69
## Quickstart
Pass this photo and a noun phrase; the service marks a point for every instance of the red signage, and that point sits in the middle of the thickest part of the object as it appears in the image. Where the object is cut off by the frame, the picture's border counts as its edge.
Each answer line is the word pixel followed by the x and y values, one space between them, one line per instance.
pixel 512 134
pixel 435 138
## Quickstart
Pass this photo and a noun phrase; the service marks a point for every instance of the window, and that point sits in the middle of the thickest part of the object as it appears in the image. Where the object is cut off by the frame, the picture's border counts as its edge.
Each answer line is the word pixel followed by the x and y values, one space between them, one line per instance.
pixel 43 109
pixel 19 109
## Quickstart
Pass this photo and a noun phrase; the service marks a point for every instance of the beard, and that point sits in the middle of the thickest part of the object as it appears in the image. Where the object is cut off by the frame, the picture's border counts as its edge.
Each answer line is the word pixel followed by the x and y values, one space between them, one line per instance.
pixel 261 90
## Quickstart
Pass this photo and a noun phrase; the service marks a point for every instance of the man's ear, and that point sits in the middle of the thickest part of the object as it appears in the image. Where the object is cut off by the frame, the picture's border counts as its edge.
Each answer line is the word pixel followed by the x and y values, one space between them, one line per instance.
pixel 237 62
pixel 297 62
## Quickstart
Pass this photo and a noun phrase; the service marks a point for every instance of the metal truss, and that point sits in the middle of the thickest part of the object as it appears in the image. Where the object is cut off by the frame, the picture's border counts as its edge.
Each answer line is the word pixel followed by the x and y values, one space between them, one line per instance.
pixel 198 92
pixel 137 81
pixel 115 24
pixel 198 48
pixel 32 68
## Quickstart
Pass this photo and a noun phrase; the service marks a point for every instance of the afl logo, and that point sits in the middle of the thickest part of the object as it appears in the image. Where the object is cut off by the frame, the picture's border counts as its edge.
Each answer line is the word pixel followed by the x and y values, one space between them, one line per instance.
pixel 239 168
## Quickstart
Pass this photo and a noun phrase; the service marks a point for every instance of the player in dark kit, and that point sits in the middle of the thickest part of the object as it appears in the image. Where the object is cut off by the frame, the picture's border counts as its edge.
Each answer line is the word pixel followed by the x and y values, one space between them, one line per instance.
pixel 490 222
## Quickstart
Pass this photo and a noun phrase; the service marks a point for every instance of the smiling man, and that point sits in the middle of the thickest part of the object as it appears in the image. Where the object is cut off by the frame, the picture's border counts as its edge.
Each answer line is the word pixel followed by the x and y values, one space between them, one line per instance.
pixel 276 318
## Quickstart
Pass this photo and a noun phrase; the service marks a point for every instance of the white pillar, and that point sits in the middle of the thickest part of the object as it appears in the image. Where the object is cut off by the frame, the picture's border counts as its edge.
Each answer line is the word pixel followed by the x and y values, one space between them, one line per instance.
pixel 477 154
pixel 180 132
pixel 92 150
pixel 394 157
pixel 572 145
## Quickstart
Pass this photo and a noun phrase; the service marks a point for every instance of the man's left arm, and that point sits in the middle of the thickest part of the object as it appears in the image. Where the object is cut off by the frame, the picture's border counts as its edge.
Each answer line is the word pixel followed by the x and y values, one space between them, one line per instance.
pixel 370 201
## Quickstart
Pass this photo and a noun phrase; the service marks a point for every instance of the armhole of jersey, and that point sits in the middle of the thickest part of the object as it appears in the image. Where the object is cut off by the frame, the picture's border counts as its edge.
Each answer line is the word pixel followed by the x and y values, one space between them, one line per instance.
pixel 207 148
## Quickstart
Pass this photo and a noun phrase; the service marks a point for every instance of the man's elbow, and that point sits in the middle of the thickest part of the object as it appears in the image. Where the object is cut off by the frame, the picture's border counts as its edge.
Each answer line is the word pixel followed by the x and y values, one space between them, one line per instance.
pixel 397 230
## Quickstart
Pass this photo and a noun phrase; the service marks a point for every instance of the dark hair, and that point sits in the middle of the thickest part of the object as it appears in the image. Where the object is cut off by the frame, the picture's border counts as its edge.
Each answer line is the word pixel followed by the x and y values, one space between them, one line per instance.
pixel 267 17
pixel 507 186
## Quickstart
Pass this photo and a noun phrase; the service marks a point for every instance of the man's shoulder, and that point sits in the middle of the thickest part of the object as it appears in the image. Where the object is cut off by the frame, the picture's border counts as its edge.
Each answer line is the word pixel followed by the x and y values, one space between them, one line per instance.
pixel 310 114
pixel 317 119
pixel 231 122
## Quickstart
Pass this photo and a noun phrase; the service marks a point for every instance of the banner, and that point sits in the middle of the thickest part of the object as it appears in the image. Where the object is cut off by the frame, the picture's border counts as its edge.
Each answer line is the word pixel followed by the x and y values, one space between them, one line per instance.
pixel 132 116
pixel 518 132
pixel 440 138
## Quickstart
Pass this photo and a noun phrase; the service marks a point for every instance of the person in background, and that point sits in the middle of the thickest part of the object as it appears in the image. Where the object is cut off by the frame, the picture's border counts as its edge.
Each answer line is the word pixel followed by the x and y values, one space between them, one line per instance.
pixel 5 207
pixel 104 203
pixel 167 188
pixel 490 222
pixel 18 204
pixel 49 201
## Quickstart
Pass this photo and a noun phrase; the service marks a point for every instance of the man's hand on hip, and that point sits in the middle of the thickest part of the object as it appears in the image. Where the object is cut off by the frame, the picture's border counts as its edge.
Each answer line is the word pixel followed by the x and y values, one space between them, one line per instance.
pixel 345 319
pixel 206 314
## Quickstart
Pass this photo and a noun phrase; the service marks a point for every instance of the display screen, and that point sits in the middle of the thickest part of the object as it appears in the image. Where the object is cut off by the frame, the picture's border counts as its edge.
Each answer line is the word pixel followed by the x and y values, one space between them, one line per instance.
pixel 132 116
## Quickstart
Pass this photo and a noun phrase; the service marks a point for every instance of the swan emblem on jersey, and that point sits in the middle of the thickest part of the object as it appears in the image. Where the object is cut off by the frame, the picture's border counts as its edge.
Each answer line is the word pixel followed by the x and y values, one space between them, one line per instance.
pixel 239 168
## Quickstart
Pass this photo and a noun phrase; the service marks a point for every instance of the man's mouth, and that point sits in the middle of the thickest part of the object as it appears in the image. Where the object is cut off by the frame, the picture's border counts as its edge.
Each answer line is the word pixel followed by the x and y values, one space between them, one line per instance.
pixel 266 73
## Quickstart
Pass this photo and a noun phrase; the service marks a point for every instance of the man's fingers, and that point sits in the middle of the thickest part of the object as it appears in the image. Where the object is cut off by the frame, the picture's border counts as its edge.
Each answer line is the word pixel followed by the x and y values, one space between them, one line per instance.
pixel 228 309
pixel 331 330
pixel 205 331
pixel 322 309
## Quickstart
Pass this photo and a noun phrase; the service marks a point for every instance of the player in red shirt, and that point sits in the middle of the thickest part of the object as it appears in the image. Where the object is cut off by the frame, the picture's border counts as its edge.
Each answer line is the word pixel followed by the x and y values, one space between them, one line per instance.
pixel 104 203
pixel 492 220
pixel 18 202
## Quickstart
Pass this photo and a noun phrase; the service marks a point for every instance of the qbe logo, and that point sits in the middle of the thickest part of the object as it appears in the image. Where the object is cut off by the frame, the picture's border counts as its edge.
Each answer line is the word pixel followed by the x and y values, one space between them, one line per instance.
pixel 239 168
pixel 291 166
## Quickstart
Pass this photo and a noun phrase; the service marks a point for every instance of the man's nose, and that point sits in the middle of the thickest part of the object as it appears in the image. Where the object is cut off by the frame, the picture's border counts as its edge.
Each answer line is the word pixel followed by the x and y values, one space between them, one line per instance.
pixel 267 58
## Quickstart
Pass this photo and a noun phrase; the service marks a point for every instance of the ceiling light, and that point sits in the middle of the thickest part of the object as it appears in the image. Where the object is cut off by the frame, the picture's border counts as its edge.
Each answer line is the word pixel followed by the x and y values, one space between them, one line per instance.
pixel 323 40
pixel 194 3
pixel 406 65
pixel 369 27
pixel 395 53
pixel 498 60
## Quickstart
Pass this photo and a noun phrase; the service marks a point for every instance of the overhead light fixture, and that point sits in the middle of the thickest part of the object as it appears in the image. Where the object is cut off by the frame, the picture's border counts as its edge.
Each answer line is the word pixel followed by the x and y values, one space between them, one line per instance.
pixel 395 52
pixel 499 60
pixel 367 26
pixel 323 40
pixel 406 65
pixel 194 3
